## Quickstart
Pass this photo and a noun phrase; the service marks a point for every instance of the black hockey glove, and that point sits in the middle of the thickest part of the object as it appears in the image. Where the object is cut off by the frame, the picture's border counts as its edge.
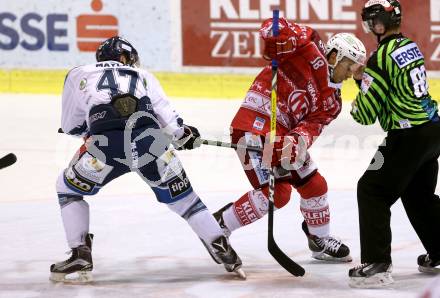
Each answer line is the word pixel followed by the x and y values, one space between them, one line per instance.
pixel 190 139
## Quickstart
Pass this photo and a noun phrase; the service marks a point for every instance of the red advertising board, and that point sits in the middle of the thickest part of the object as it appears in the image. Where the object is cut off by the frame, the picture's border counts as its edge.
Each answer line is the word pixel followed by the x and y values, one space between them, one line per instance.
pixel 225 32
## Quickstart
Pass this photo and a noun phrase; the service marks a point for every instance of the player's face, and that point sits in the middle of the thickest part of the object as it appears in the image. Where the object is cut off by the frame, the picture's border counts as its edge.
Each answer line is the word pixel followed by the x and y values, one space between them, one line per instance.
pixel 378 27
pixel 343 70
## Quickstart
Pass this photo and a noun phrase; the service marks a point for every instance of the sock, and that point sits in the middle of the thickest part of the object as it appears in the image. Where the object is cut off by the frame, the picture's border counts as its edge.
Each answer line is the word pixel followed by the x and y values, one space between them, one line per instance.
pixel 201 221
pixel 205 226
pixel 76 222
pixel 252 206
pixel 314 206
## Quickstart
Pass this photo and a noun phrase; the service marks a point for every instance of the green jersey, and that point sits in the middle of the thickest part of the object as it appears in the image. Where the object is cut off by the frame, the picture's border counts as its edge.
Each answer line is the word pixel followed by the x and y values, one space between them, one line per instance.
pixel 394 88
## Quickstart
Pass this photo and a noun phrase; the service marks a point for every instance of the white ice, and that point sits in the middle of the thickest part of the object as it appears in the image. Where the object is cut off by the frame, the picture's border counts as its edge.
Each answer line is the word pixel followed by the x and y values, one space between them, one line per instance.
pixel 141 249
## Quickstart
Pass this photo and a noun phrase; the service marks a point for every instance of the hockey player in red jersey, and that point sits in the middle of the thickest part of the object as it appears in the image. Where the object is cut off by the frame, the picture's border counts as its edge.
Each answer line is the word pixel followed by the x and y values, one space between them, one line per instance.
pixel 310 75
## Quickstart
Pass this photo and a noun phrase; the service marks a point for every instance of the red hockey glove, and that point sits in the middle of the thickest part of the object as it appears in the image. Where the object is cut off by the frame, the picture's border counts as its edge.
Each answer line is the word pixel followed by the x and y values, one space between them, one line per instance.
pixel 288 151
pixel 282 46
pixel 279 48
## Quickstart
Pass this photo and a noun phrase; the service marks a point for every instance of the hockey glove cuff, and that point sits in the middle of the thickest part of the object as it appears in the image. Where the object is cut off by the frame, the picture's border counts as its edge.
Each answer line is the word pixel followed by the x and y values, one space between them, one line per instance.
pixel 190 139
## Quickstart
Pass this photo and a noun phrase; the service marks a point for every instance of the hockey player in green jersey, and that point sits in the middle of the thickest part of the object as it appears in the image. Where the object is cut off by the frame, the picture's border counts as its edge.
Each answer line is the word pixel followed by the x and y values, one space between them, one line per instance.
pixel 394 91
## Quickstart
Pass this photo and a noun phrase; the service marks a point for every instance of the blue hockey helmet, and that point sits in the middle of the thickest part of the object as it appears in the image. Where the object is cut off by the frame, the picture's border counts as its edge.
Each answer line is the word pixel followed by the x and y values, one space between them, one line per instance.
pixel 114 47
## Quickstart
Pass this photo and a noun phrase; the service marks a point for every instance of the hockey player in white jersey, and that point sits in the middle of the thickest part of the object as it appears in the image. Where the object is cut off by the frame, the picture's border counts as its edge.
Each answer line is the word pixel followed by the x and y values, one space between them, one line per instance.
pixel 128 125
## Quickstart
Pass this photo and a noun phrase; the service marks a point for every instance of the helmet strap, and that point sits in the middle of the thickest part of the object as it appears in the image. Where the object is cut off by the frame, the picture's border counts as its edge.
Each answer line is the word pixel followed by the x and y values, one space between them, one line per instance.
pixel 331 67
pixel 331 70
pixel 378 36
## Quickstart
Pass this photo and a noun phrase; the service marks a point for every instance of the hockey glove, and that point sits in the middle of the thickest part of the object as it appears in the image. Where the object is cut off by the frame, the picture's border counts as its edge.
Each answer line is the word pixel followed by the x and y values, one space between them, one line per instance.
pixel 279 48
pixel 289 152
pixel 190 139
pixel 282 46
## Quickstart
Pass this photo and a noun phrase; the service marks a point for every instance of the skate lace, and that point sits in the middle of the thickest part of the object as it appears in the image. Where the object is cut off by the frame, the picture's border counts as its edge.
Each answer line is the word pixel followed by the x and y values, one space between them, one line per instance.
pixel 361 266
pixel 331 244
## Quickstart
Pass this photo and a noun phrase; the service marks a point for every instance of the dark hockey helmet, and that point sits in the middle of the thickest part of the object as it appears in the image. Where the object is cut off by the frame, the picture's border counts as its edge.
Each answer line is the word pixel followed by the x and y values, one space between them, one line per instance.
pixel 114 47
pixel 388 12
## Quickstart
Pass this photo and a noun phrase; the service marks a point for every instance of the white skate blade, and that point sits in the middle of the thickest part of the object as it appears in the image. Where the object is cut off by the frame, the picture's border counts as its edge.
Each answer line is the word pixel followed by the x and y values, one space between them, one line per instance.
pixel 237 270
pixel 79 277
pixel 429 270
pixel 378 280
pixel 327 258
pixel 241 274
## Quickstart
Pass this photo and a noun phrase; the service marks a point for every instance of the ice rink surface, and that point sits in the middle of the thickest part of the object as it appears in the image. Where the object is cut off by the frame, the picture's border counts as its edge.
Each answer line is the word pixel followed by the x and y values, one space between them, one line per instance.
pixel 142 249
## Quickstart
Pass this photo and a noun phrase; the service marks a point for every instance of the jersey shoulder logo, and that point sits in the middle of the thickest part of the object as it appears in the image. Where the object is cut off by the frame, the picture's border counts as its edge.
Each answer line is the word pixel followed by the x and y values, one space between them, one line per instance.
pixel 259 123
pixel 367 80
pixel 406 55
pixel 83 84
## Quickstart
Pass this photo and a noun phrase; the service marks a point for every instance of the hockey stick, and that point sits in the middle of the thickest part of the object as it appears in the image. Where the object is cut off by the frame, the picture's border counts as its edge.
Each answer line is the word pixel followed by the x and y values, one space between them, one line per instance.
pixel 286 262
pixel 7 160
pixel 218 144
pixel 231 145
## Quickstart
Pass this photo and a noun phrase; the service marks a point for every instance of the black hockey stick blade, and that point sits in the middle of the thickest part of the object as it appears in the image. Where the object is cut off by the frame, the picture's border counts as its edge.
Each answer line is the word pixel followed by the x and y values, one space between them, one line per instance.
pixel 7 160
pixel 282 259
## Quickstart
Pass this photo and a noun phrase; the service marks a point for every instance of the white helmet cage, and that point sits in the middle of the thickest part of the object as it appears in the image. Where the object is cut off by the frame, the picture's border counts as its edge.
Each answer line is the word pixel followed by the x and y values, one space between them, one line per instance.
pixel 347 45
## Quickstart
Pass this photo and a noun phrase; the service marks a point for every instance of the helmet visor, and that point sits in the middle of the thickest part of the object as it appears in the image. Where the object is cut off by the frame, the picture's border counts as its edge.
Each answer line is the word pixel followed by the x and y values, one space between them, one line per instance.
pixel 367 26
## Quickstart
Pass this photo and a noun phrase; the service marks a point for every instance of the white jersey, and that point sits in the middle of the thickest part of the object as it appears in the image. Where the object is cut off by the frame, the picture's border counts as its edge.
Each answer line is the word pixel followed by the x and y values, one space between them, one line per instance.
pixel 90 85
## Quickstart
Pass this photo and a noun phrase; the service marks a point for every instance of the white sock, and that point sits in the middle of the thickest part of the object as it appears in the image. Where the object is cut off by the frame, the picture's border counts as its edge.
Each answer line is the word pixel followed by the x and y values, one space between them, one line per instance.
pixel 201 221
pixel 75 217
pixel 205 226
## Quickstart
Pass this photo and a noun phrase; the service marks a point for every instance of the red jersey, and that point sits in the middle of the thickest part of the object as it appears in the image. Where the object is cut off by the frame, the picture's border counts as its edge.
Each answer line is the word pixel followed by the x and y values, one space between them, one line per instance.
pixel 306 99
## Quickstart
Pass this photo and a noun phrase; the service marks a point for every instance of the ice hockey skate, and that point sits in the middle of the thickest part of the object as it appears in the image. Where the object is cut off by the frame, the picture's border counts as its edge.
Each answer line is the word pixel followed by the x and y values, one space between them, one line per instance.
pixel 327 248
pixel 78 268
pixel 219 218
pixel 371 275
pixel 428 265
pixel 222 252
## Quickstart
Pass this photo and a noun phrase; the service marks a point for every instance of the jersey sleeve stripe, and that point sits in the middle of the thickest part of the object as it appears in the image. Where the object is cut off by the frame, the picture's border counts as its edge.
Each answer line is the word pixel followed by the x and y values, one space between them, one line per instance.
pixel 366 111
pixel 391 70
pixel 373 97
pixel 378 79
pixel 380 57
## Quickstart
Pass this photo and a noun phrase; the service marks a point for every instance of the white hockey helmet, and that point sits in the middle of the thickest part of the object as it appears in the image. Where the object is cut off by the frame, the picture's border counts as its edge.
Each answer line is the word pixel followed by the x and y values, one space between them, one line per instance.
pixel 347 45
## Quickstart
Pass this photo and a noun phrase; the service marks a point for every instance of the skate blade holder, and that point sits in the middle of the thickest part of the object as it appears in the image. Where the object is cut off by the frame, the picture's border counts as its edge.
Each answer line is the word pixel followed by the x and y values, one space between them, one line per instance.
pixel 237 270
pixel 79 277
pixel 321 256
pixel 377 281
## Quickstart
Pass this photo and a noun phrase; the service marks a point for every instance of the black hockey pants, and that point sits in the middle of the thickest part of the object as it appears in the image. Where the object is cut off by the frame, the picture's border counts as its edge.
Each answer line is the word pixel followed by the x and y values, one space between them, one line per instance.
pixel 405 167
